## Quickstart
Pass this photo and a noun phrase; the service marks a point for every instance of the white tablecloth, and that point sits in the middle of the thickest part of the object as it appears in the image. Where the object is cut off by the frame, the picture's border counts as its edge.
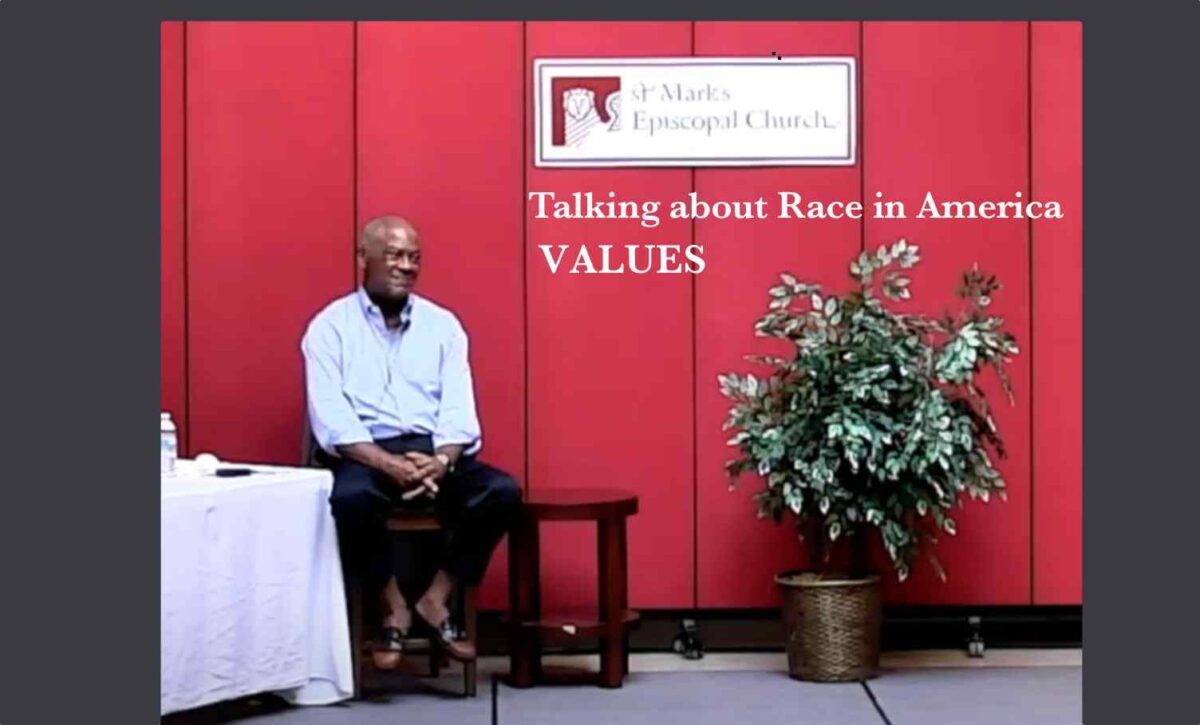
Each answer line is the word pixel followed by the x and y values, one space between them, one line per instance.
pixel 252 593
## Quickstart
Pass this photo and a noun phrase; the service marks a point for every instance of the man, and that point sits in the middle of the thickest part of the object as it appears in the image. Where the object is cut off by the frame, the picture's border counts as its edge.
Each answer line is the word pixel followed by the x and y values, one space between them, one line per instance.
pixel 392 408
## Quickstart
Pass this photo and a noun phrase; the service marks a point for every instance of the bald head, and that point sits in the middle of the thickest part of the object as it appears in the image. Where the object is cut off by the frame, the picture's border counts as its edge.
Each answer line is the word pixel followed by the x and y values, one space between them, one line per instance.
pixel 389 256
pixel 377 231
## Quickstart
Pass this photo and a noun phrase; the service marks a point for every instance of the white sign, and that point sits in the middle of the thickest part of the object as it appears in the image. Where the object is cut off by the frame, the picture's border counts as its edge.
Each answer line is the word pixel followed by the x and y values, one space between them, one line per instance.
pixel 694 112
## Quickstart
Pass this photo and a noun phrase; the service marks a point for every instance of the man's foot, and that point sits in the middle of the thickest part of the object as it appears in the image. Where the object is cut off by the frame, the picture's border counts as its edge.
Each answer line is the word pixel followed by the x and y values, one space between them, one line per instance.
pixel 390 649
pixel 432 611
pixel 446 635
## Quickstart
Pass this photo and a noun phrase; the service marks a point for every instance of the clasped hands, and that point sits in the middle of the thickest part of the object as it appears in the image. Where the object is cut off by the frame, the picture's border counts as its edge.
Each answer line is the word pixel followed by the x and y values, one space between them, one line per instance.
pixel 418 473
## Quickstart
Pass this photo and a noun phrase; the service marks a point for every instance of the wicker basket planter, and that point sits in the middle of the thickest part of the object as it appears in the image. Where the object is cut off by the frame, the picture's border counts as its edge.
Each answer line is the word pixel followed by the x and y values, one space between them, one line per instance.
pixel 833 625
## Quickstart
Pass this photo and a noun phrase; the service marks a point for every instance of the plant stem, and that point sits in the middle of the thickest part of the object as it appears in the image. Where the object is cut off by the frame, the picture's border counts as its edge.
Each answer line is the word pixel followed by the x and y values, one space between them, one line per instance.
pixel 859 554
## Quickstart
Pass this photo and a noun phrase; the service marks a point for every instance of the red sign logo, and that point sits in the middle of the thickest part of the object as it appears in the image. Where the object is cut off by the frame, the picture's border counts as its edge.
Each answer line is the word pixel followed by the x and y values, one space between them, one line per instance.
pixel 582 106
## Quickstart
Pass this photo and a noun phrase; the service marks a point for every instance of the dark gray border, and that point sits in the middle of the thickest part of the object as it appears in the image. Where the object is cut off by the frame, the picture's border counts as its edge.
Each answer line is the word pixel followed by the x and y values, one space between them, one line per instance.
pixel 78 526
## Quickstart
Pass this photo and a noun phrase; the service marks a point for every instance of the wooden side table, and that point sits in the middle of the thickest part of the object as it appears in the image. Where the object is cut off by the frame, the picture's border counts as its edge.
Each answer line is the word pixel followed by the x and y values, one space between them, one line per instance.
pixel 529 627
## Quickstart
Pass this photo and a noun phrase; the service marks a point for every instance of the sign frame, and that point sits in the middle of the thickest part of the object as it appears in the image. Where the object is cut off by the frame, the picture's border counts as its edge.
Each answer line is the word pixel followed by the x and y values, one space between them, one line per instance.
pixel 542 122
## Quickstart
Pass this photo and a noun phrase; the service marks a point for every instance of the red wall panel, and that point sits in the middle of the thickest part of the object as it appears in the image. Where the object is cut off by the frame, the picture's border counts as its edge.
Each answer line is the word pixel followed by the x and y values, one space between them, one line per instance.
pixel 738 554
pixel 172 351
pixel 947 112
pixel 270 222
pixel 1057 95
pixel 621 368
pixel 448 160
pixel 610 356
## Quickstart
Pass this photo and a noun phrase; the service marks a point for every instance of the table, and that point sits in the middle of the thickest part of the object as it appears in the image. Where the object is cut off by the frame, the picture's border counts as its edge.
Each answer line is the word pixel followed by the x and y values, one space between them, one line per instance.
pixel 252 592
pixel 529 626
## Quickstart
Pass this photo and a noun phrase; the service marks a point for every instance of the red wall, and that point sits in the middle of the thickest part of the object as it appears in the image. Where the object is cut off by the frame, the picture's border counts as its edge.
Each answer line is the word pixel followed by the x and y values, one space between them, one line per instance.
pixel 1057 299
pixel 957 99
pixel 413 135
pixel 610 356
pixel 172 316
pixel 293 134
pixel 270 222
pixel 735 547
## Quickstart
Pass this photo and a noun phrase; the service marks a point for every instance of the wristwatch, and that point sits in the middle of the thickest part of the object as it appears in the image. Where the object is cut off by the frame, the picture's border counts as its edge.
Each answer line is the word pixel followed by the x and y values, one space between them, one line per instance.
pixel 445 459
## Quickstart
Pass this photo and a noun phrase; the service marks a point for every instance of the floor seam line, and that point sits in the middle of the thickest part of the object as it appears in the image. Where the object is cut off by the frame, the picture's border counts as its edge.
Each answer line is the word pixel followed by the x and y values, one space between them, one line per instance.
pixel 875 702
pixel 495 700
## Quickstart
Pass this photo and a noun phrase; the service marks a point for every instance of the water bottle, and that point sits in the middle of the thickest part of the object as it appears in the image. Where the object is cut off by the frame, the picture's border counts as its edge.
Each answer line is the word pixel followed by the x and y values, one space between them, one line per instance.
pixel 169 449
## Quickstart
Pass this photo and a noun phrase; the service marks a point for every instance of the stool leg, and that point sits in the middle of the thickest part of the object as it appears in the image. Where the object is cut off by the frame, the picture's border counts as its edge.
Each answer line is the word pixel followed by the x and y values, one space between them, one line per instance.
pixel 435 660
pixel 470 623
pixel 623 563
pixel 354 589
pixel 523 600
pixel 612 585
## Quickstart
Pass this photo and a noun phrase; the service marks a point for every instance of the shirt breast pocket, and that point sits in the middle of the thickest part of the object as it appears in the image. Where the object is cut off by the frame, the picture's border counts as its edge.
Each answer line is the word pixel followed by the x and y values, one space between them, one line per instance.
pixel 424 371
pixel 364 385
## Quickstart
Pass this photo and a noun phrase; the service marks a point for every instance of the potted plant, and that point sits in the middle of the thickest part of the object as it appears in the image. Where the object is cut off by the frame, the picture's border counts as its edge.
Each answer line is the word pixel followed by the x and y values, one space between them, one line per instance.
pixel 874 423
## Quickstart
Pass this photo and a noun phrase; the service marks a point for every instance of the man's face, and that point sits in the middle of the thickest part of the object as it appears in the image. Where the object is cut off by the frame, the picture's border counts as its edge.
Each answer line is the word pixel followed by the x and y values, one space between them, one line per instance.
pixel 391 263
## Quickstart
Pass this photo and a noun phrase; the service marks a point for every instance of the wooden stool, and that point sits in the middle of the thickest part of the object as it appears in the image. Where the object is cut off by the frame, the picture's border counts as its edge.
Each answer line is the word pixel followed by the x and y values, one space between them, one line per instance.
pixel 407 522
pixel 529 627
pixel 400 521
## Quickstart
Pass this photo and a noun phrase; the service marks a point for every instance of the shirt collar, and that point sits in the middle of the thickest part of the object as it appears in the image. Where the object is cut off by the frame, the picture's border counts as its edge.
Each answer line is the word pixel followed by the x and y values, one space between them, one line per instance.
pixel 371 310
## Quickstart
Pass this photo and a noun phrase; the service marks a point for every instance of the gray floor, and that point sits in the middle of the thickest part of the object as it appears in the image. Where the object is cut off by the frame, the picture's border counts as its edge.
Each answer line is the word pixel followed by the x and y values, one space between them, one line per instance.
pixel 932 696
pixel 694 698
pixel 985 696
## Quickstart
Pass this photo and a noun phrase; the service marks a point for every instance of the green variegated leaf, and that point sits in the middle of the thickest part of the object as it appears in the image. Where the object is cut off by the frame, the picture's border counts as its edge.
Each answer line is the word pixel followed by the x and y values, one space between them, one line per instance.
pixel 877 418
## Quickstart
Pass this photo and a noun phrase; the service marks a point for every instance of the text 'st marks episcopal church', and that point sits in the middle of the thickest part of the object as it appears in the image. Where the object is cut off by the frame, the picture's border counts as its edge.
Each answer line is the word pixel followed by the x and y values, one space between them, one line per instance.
pixel 584 106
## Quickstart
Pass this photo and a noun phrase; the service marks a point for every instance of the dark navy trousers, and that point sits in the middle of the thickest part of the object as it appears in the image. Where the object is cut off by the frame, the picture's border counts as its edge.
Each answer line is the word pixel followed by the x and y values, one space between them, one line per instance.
pixel 477 505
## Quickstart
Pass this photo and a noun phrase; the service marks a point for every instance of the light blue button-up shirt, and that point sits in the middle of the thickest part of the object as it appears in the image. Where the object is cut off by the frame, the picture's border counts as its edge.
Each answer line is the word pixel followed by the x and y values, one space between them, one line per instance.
pixel 366 381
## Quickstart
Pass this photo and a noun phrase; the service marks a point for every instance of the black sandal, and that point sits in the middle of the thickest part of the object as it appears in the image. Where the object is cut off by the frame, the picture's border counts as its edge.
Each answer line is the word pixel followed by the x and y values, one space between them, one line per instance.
pixel 451 641
pixel 391 641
